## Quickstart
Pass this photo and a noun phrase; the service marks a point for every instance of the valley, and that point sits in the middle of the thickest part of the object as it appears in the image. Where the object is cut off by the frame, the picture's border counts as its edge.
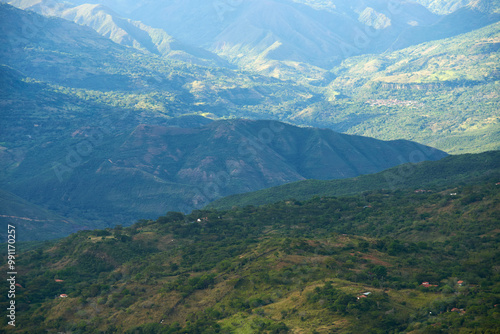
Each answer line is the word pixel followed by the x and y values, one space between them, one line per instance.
pixel 254 166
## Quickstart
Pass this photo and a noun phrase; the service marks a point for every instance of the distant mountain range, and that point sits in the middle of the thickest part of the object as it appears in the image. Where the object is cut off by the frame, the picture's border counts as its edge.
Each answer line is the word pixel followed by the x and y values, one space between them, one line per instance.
pixel 460 72
pixel 270 37
pixel 441 7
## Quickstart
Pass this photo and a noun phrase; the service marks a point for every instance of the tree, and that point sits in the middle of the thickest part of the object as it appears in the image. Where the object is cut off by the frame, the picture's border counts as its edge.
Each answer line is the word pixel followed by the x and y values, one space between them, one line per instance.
pixel 380 271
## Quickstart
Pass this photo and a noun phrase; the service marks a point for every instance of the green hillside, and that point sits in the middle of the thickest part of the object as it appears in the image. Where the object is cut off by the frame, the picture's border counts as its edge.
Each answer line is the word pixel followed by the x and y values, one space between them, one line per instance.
pixel 435 175
pixel 443 94
pixel 342 264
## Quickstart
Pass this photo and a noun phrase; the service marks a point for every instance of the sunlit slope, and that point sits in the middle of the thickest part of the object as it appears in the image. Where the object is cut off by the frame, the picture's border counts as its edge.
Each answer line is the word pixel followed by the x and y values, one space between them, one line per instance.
pixel 379 262
pixel 442 93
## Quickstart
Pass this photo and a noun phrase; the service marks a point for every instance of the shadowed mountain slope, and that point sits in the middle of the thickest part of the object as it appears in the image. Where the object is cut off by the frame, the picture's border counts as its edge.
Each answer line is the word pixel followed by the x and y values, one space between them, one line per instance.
pixel 155 169
pixel 33 222
pixel 459 169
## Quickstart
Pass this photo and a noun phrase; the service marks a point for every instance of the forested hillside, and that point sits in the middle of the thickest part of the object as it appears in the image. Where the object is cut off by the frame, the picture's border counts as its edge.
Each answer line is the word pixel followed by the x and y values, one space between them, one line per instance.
pixel 379 262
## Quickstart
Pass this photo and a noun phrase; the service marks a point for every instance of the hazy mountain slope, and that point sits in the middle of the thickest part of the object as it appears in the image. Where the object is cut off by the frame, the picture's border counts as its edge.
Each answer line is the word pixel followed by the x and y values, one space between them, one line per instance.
pixel 283 38
pixel 278 38
pixel 345 265
pixel 155 169
pixel 33 222
pixel 59 51
pixel 276 30
pixel 463 169
pixel 443 6
pixel 73 56
pixel 475 15
pixel 122 30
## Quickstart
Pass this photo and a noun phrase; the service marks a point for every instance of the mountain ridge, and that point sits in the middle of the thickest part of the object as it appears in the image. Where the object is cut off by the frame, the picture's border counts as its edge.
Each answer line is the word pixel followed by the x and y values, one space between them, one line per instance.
pixel 458 76
pixel 153 169
pixel 123 31
pixel 466 168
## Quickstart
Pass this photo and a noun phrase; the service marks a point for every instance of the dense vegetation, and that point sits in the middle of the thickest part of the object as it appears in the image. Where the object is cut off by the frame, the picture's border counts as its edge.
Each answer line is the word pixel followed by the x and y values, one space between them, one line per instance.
pixel 329 264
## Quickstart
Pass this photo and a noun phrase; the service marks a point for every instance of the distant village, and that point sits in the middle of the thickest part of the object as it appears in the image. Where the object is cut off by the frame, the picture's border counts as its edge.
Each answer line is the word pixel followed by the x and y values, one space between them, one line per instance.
pixel 394 102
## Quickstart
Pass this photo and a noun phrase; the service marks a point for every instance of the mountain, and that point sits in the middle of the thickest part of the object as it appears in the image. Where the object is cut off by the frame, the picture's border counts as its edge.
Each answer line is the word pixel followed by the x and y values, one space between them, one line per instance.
pixel 450 6
pixel 458 169
pixel 153 169
pixel 441 7
pixel 378 262
pixel 476 14
pixel 399 94
pixel 87 66
pixel 122 31
pixel 277 38
pixel 283 38
pixel 64 52
pixel 440 93
pixel 255 34
pixel 55 72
